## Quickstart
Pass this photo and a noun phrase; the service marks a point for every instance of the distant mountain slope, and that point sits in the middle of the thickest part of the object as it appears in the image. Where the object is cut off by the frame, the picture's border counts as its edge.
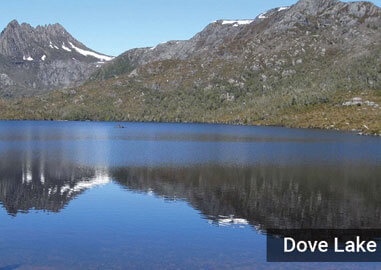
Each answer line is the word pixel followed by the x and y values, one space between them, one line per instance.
pixel 33 60
pixel 273 40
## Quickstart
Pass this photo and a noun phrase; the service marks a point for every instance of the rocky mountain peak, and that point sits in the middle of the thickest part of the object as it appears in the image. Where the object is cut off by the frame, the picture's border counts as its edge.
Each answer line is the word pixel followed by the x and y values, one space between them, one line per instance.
pixel 313 7
pixel 24 41
pixel 334 7
pixel 13 24
pixel 44 57
pixel 327 13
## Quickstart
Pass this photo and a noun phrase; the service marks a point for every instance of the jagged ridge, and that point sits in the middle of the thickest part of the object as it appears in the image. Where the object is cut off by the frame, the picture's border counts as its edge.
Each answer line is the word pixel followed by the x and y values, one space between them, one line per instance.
pixel 43 58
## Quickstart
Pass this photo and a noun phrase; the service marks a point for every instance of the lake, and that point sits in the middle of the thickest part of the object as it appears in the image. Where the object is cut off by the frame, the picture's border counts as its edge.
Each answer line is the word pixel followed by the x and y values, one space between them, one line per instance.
pixel 87 195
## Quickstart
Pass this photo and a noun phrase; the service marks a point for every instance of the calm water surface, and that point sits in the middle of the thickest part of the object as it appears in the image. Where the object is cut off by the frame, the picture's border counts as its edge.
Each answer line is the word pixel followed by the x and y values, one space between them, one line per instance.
pixel 81 195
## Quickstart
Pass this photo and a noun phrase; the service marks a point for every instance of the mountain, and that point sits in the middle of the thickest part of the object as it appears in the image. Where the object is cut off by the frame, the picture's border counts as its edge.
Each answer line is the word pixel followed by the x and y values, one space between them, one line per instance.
pixel 290 66
pixel 278 40
pixel 33 60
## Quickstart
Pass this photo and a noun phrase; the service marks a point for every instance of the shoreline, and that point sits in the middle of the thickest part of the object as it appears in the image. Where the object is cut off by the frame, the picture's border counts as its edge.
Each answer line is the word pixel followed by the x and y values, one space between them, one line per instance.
pixel 351 132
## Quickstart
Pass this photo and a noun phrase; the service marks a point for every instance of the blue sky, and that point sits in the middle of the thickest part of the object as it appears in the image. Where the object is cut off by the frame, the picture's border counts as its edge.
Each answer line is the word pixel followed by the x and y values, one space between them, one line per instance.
pixel 113 26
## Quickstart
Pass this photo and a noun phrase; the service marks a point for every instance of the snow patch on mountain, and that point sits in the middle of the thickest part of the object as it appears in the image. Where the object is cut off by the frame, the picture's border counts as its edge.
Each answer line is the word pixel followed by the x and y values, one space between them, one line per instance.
pixel 262 15
pixel 237 22
pixel 283 8
pixel 65 48
pixel 89 53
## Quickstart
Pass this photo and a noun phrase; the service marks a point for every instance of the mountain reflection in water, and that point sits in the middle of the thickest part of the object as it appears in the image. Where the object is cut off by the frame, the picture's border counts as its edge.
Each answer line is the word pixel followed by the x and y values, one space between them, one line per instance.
pixel 342 195
pixel 37 184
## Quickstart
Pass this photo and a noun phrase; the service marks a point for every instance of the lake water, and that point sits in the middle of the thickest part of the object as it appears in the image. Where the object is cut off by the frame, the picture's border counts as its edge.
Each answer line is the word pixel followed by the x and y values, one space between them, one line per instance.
pixel 82 195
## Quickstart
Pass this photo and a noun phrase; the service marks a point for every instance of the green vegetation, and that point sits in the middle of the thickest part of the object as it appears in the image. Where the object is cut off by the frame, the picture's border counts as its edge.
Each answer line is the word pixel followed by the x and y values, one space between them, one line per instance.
pixel 126 103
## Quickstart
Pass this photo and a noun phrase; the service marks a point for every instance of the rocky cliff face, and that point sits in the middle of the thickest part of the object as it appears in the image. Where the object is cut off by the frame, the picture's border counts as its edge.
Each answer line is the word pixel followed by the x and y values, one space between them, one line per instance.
pixel 33 60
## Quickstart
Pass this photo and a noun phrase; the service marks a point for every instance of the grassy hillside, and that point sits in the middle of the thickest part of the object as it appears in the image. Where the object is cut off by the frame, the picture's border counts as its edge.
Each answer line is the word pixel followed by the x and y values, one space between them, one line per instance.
pixel 126 103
